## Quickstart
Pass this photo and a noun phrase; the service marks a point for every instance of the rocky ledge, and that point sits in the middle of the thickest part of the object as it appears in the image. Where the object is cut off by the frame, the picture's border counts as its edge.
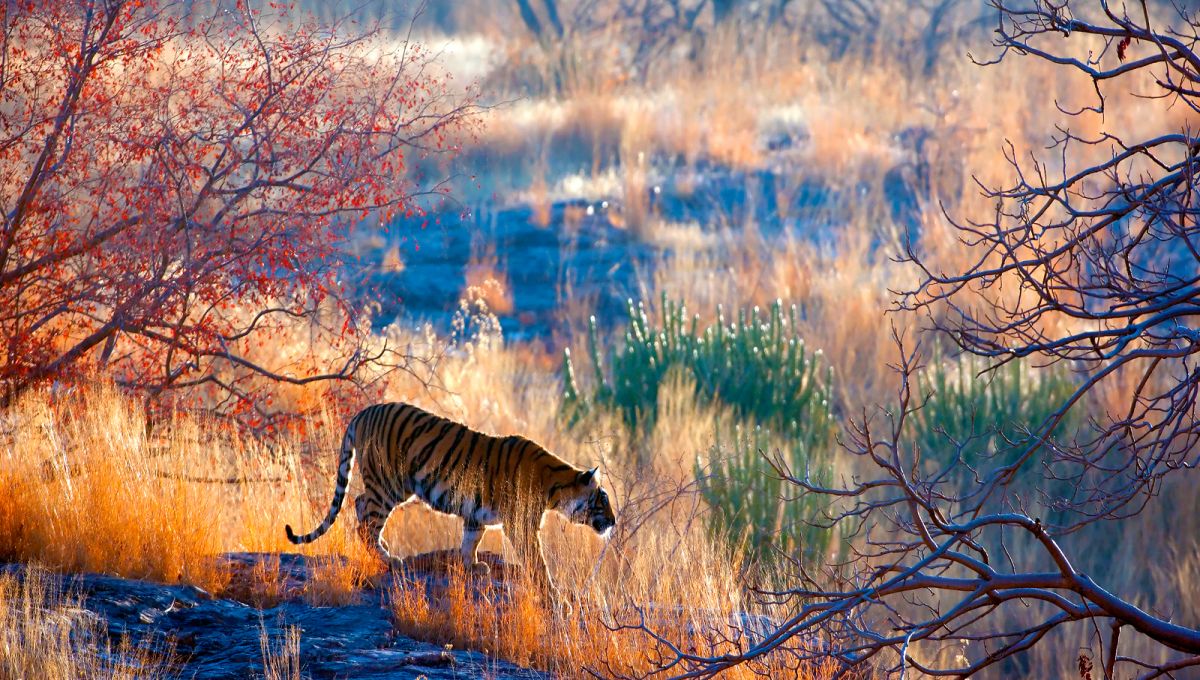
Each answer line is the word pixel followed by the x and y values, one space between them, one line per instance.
pixel 219 637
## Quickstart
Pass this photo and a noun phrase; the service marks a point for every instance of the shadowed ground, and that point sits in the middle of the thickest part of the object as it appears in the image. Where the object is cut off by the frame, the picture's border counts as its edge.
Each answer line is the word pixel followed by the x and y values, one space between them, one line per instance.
pixel 222 638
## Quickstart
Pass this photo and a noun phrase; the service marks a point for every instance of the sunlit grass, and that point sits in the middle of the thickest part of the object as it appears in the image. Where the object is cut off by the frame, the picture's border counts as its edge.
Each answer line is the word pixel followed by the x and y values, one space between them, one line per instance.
pixel 84 489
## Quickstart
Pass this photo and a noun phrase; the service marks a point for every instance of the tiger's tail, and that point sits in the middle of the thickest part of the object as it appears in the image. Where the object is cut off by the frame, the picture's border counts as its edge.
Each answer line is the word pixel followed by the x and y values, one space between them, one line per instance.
pixel 345 465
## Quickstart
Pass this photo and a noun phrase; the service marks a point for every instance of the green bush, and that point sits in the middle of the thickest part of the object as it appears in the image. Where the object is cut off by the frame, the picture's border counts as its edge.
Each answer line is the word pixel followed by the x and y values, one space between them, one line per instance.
pixel 760 369
pixel 990 415
pixel 753 507
pixel 757 365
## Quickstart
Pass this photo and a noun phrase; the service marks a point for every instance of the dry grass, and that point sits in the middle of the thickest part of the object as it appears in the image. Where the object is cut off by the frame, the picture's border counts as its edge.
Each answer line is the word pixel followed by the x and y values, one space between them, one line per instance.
pixel 514 624
pixel 507 624
pixel 103 495
pixel 46 634
pixel 487 282
pixel 281 657
pixel 682 586
pixel 83 491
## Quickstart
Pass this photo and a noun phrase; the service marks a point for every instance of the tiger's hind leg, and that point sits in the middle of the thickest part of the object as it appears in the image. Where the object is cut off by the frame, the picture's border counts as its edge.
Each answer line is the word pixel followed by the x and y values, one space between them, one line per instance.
pixel 372 517
pixel 472 535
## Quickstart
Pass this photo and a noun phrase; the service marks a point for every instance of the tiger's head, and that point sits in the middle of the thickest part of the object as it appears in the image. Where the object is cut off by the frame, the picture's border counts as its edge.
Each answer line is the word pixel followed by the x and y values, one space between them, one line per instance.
pixel 583 501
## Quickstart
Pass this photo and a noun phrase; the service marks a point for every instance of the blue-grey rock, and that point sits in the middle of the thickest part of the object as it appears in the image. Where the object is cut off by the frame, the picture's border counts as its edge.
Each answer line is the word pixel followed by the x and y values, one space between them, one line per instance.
pixel 222 638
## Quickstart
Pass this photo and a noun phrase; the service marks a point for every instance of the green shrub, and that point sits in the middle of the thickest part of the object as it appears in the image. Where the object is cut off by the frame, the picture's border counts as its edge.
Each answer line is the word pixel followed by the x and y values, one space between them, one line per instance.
pixel 990 416
pixel 757 365
pixel 760 369
pixel 752 506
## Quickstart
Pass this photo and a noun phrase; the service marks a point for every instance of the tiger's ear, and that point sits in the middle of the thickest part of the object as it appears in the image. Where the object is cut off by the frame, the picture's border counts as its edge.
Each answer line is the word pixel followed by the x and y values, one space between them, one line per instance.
pixel 586 477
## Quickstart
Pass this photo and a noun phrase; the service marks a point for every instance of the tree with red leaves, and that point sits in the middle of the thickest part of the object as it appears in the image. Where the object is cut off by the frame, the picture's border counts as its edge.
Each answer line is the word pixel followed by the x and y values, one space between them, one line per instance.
pixel 174 190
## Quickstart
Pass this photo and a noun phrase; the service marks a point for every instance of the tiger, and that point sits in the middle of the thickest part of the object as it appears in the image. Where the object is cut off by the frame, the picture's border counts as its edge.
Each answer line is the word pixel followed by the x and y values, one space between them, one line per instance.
pixel 407 454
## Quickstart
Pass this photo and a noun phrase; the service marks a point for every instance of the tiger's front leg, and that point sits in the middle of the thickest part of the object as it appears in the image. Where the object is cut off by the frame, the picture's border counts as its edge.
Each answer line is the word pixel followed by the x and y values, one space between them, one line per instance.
pixel 524 536
pixel 472 535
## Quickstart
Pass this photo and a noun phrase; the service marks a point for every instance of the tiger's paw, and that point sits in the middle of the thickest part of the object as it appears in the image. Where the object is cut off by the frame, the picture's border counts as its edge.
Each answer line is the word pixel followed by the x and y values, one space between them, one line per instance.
pixel 480 569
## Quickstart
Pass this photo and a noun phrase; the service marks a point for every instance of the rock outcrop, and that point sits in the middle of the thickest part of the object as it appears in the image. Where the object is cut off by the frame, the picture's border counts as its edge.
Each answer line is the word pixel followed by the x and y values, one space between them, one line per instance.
pixel 219 637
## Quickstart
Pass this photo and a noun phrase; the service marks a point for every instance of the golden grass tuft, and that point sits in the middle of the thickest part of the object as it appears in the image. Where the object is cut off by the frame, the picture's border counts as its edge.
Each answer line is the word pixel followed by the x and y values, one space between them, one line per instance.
pixel 487 283
pixel 85 489
pixel 281 657
pixel 501 622
pixel 338 580
pixel 263 588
